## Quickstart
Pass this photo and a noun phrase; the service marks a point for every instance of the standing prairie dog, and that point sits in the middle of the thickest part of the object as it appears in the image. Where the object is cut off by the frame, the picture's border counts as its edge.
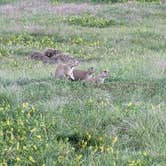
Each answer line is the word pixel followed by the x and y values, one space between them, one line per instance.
pixel 66 70
pixel 83 75
pixel 100 78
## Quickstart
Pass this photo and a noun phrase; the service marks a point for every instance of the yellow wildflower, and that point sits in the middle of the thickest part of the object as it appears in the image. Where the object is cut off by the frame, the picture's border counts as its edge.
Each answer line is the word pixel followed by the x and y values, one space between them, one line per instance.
pixel 115 140
pixel 1 133
pixel 88 136
pixel 84 144
pixel 33 130
pixel 8 122
pixel 25 105
pixel 109 149
pixel 20 122
pixel 101 148
pixel 34 146
pixel 24 148
pixel 145 154
pixel 79 157
pixel 4 163
pixel 31 159
pixel 100 139
pixel 33 109
pixel 95 150
pixel 18 159
pixel 90 147
pixel 130 104
pixel 1 108
pixel 38 136
pixel 17 146
pixel 29 115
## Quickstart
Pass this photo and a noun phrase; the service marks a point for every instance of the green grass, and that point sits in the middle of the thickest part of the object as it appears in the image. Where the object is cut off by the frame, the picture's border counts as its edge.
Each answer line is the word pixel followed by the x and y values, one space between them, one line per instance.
pixel 101 1
pixel 48 122
pixel 6 1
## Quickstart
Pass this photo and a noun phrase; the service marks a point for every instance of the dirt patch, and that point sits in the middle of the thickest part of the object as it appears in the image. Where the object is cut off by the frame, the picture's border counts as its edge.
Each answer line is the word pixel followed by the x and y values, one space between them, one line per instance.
pixel 76 8
pixel 31 6
pixel 52 56
pixel 19 14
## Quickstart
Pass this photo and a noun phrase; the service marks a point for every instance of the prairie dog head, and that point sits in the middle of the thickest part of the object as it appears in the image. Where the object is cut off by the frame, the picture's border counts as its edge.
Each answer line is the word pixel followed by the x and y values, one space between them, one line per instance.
pixel 104 74
pixel 73 63
pixel 70 67
pixel 101 77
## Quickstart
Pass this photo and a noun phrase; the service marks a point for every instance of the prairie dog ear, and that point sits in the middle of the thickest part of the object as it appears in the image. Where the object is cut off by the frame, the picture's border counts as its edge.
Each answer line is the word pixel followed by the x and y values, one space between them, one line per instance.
pixel 76 63
pixel 105 73
pixel 91 69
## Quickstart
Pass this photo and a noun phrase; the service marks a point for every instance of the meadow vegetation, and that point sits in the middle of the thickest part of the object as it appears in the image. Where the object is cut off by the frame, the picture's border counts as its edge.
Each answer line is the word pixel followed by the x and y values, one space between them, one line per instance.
pixel 48 122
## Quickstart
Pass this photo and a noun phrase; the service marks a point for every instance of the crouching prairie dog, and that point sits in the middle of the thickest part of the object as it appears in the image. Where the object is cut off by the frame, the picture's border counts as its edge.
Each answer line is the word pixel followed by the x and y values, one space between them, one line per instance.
pixel 100 78
pixel 83 75
pixel 66 70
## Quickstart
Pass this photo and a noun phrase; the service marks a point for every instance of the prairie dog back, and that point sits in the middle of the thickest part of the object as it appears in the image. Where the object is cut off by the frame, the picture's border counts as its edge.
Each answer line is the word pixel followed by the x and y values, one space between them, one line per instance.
pixel 79 74
pixel 82 74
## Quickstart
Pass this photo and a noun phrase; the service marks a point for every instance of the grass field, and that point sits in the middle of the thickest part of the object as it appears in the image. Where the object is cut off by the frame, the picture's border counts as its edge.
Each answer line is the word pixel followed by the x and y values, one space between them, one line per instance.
pixel 47 122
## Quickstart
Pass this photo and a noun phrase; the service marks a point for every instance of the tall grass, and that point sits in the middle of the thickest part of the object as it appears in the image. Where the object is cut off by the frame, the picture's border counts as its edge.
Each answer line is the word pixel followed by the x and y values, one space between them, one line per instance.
pixel 44 121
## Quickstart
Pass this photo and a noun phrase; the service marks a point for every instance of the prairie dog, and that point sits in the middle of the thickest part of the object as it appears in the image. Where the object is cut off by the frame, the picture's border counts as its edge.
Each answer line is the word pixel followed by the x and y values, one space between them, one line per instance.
pixel 65 70
pixel 100 78
pixel 83 75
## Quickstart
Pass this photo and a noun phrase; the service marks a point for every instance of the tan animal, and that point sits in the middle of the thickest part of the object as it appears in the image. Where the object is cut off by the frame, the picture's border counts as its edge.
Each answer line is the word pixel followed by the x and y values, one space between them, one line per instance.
pixel 66 70
pixel 100 78
pixel 83 75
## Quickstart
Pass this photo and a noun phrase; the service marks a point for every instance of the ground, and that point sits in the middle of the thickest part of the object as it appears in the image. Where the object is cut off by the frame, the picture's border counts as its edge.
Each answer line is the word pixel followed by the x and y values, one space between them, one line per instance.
pixel 44 121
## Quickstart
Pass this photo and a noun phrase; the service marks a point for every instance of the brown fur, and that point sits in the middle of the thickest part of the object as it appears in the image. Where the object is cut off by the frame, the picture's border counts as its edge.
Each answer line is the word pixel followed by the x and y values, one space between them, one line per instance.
pixel 83 75
pixel 100 78
pixel 65 70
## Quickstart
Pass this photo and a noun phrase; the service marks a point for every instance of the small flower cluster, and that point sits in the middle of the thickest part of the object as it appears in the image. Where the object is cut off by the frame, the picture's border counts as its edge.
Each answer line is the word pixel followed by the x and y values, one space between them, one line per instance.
pixel 27 40
pixel 96 144
pixel 85 42
pixel 135 163
pixel 89 20
pixel 19 134
pixel 143 160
